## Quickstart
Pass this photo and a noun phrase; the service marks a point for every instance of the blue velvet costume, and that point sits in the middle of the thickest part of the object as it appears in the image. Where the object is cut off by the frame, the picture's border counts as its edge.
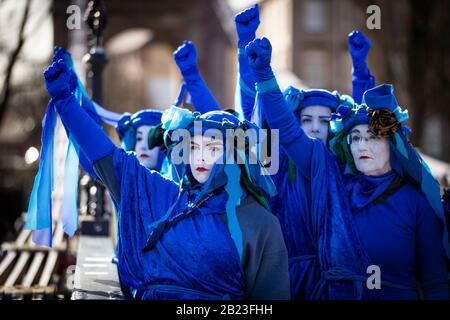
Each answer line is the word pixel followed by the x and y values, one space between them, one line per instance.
pixel 401 244
pixel 196 257
pixel 326 250
pixel 299 204
pixel 403 231
pixel 412 245
pixel 168 271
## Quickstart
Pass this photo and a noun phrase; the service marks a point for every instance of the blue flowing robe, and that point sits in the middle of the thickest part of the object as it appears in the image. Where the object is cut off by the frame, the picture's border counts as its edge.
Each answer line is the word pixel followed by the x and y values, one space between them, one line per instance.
pixel 346 247
pixel 403 236
pixel 299 204
pixel 196 258
pixel 169 269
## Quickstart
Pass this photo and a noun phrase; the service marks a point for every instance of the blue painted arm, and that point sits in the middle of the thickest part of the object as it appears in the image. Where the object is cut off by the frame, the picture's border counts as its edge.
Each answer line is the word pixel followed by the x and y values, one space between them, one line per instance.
pixel 186 59
pixel 362 79
pixel 246 85
pixel 93 141
pixel 247 22
pixel 299 147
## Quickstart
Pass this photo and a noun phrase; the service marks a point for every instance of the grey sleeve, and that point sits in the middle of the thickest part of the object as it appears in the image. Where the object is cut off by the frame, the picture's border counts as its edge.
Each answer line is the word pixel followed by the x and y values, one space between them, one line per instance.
pixel 104 168
pixel 265 258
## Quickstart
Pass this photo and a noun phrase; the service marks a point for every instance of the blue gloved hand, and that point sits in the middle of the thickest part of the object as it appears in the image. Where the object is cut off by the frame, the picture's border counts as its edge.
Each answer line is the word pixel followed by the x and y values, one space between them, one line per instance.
pixel 247 21
pixel 186 59
pixel 259 53
pixel 359 46
pixel 57 80
pixel 63 54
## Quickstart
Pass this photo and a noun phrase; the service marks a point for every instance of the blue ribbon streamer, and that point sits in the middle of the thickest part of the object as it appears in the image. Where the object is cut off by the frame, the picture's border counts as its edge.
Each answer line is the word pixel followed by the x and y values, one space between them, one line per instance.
pixel 69 204
pixel 39 215
pixel 234 190
pixel 181 94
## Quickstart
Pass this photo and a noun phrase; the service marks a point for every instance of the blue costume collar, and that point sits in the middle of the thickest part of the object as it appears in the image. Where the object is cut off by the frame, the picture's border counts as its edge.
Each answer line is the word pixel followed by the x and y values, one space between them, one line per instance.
pixel 367 189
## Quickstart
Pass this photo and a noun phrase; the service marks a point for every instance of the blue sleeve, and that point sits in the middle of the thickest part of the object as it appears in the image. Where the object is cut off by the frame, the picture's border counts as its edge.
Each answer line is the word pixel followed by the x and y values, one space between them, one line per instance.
pixel 298 146
pixel 141 190
pixel 201 96
pixel 245 85
pixel 90 137
pixel 431 255
pixel 362 80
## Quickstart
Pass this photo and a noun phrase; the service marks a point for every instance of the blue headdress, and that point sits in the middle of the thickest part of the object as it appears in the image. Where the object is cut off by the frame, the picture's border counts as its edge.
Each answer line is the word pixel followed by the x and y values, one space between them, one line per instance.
pixel 232 175
pixel 385 117
pixel 128 124
pixel 123 125
pixel 300 99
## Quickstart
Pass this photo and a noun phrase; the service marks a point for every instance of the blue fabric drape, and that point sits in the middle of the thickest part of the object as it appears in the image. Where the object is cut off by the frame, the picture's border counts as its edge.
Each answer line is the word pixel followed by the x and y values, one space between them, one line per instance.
pixel 39 215
pixel 186 255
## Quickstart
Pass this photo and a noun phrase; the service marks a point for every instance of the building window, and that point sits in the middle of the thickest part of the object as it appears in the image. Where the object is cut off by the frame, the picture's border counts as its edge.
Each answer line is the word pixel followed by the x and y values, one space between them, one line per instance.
pixel 315 16
pixel 316 68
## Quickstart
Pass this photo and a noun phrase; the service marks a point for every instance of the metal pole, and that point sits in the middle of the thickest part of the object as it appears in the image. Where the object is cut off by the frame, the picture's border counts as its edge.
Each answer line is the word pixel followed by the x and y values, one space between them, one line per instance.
pixel 96 19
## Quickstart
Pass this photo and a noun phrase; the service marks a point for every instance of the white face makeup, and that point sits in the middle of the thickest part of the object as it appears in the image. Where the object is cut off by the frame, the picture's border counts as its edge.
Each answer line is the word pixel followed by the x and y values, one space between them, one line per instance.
pixel 371 153
pixel 204 152
pixel 315 121
pixel 147 157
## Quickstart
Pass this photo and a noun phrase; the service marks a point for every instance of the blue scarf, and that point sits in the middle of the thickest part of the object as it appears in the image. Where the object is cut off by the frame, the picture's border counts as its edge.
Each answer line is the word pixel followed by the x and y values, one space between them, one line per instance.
pixel 365 189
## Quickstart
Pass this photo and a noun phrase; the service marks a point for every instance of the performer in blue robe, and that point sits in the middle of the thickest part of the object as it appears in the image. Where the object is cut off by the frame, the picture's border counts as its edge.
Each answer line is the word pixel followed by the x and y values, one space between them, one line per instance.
pixel 210 237
pixel 393 216
pixel 299 203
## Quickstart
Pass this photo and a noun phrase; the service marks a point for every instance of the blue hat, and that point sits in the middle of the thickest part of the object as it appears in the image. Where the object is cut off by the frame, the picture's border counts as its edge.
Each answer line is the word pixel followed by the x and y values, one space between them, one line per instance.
pixel 380 111
pixel 315 97
pixel 146 117
pixel 178 118
pixel 123 124
pixel 128 124
pixel 219 120
pixel 347 117
pixel 378 103
pixel 382 97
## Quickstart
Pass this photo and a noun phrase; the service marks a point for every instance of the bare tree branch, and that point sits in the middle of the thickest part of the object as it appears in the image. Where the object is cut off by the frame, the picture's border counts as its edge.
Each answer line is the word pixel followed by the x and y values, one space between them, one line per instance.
pixel 12 61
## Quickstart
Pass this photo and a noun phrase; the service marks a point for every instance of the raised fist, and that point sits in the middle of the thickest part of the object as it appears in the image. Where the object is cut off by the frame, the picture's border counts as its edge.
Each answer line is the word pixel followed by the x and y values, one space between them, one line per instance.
pixel 358 45
pixel 259 53
pixel 186 58
pixel 247 21
pixel 57 79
